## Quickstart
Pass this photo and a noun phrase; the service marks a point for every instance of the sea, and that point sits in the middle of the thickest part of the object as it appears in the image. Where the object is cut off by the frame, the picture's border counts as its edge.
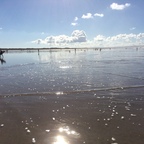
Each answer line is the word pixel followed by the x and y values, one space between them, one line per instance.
pixel 70 70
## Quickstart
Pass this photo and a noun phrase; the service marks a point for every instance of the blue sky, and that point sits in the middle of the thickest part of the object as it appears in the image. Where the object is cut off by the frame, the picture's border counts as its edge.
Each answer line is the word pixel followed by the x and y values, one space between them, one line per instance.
pixel 71 23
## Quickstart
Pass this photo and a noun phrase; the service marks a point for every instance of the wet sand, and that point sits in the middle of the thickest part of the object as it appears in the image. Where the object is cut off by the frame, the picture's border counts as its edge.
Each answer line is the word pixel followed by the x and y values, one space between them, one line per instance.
pixel 102 117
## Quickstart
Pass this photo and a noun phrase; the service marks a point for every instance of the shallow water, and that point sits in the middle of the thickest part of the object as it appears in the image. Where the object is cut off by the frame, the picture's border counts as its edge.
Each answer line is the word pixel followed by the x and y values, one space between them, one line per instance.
pixel 71 71
pixel 72 97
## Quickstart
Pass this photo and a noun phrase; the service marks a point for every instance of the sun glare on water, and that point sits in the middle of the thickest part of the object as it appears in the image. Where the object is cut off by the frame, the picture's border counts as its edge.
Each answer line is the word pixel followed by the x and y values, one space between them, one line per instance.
pixel 60 140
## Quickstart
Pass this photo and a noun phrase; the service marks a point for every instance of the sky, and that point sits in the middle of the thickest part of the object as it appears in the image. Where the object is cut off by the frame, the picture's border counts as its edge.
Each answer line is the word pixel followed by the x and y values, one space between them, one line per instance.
pixel 71 23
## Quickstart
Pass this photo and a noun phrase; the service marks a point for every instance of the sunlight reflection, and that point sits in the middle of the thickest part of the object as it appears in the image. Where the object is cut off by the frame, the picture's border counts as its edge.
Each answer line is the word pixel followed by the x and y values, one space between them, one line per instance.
pixel 59 93
pixel 65 67
pixel 60 140
pixel 67 130
pixel 65 135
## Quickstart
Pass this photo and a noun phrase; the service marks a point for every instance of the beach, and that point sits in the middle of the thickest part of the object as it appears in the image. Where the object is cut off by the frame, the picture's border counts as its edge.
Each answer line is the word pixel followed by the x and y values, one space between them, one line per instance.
pixel 72 97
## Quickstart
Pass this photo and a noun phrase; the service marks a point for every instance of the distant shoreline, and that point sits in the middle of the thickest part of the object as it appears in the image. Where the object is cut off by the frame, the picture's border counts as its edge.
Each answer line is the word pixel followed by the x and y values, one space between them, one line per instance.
pixel 73 48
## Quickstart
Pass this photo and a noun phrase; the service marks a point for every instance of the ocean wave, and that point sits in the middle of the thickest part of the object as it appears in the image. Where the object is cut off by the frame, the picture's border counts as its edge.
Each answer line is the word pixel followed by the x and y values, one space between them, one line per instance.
pixel 60 93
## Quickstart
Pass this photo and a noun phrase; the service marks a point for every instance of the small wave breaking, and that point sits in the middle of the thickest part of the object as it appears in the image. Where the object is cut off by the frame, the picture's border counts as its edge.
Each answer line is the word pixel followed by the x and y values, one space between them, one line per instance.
pixel 60 93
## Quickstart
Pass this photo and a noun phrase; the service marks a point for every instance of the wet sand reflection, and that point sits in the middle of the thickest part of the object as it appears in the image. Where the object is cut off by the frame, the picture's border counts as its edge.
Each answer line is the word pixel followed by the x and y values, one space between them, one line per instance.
pixel 101 117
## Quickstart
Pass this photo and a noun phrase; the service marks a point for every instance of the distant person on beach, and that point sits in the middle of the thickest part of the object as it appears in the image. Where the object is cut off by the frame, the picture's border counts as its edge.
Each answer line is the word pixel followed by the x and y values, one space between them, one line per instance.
pixel 1 52
pixel 2 61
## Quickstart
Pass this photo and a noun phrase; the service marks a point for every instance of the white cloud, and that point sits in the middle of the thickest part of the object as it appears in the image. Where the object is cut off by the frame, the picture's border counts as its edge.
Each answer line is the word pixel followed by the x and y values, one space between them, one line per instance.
pixel 99 15
pixel 74 24
pixel 116 6
pixel 77 36
pixel 140 35
pixel 133 28
pixel 99 38
pixel 87 16
pixel 38 41
pixel 76 19
pixel 120 40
